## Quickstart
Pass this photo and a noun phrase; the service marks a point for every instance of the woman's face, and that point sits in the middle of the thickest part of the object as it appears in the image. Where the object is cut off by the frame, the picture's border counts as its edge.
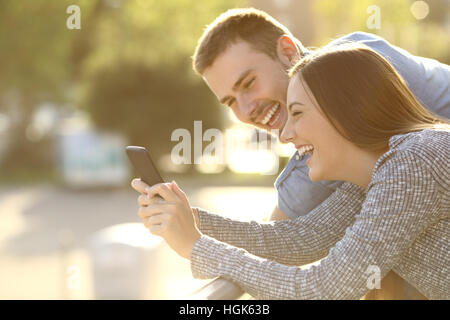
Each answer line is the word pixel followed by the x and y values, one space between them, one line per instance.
pixel 312 134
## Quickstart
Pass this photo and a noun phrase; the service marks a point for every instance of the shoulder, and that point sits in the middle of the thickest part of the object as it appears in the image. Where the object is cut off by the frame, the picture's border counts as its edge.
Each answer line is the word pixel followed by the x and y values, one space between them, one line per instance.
pixel 403 61
pixel 396 55
pixel 426 144
pixel 358 36
pixel 416 156
pixel 412 177
pixel 427 78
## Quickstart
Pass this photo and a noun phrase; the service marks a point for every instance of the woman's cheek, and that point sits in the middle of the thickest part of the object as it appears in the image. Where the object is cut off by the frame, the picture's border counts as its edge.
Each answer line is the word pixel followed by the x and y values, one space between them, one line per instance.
pixel 300 127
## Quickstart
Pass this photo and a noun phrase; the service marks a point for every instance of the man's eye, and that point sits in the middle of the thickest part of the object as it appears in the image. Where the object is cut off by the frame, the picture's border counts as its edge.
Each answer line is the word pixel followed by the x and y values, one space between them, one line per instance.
pixel 230 102
pixel 249 83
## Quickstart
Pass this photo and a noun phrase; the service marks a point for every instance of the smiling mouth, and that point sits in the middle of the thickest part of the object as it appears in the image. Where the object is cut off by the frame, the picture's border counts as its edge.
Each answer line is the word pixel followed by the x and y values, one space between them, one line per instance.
pixel 305 149
pixel 272 115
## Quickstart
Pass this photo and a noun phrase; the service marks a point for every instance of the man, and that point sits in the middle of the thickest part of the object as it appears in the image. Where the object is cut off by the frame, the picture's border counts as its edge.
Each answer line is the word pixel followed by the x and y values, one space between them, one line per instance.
pixel 243 57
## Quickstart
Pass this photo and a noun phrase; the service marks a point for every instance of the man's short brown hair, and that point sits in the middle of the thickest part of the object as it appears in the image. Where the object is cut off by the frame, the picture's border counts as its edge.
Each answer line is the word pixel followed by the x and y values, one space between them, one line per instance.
pixel 256 27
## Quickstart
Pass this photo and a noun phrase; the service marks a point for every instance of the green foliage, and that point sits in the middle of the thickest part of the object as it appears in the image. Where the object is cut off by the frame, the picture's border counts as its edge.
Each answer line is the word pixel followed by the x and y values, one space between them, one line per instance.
pixel 41 60
pixel 427 37
pixel 35 48
pixel 147 103
pixel 34 51
pixel 138 78
pixel 130 67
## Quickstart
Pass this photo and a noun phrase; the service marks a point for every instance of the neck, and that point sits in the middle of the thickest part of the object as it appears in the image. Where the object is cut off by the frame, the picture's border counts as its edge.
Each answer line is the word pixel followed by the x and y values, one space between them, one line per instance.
pixel 361 169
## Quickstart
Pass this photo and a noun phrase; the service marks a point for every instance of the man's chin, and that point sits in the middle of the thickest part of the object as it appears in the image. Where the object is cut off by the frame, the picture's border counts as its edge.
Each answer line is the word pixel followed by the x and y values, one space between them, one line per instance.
pixel 279 130
pixel 276 130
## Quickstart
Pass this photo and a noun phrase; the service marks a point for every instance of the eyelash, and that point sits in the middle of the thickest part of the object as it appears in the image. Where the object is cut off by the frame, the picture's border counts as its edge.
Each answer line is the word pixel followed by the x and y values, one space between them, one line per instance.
pixel 295 113
pixel 249 83
pixel 246 86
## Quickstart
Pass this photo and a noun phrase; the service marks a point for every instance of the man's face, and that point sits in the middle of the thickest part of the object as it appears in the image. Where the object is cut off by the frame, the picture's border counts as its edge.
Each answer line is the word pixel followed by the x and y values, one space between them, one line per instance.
pixel 252 84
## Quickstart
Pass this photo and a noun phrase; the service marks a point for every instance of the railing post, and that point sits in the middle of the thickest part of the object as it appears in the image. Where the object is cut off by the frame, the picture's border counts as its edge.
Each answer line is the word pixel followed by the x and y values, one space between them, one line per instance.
pixel 218 289
pixel 124 258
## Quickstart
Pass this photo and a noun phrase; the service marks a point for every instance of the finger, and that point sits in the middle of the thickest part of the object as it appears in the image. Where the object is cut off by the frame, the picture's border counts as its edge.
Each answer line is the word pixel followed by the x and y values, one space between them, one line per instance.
pixel 163 190
pixel 156 199
pixel 154 209
pixel 146 212
pixel 156 219
pixel 139 185
pixel 151 191
pixel 157 229
pixel 143 200
pixel 147 223
pixel 180 193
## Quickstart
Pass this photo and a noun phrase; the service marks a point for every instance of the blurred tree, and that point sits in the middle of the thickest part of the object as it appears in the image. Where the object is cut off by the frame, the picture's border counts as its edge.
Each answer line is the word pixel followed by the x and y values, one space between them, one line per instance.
pixel 43 61
pixel 35 46
pixel 426 37
pixel 147 103
pixel 138 79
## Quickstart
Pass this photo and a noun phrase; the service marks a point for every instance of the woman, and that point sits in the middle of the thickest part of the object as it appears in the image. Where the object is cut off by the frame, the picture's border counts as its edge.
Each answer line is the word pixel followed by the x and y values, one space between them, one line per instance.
pixel 355 118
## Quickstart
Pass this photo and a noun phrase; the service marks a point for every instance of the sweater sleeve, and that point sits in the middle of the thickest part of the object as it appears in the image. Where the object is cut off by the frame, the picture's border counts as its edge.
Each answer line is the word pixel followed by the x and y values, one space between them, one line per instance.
pixel 402 202
pixel 293 242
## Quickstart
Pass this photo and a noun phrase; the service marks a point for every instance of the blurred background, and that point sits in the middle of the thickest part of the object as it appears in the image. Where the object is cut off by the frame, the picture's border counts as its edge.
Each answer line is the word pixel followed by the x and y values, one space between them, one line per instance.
pixel 71 99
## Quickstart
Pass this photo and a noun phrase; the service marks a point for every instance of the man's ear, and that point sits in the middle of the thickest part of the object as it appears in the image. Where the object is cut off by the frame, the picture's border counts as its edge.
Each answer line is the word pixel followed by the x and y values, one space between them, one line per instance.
pixel 287 50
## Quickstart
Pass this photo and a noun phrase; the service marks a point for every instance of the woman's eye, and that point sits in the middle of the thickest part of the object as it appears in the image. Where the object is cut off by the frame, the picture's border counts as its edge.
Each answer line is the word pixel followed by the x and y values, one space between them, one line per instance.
pixel 230 103
pixel 296 113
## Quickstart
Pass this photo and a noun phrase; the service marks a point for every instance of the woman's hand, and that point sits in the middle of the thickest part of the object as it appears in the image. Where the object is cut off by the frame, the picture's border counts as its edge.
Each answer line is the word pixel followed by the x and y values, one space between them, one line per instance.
pixel 170 217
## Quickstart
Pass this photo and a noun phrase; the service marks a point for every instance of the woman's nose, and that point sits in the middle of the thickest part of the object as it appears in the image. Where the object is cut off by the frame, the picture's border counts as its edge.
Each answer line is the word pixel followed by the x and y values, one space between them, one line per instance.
pixel 288 134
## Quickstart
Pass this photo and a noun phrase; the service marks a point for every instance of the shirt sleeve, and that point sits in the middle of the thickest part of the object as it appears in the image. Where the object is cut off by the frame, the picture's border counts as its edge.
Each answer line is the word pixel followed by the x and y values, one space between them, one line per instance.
pixel 428 79
pixel 293 242
pixel 402 202
pixel 297 194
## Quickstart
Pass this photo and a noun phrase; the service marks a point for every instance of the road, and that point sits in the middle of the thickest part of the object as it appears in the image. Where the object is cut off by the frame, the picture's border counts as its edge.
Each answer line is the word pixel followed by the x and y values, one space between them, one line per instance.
pixel 46 233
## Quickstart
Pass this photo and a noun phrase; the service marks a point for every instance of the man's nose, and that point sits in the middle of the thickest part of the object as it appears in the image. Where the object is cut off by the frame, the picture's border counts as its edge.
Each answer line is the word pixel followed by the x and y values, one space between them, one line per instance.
pixel 247 107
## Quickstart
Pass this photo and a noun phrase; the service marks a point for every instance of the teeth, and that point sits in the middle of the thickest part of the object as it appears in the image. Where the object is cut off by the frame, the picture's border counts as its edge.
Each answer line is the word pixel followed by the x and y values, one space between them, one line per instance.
pixel 274 120
pixel 304 150
pixel 270 113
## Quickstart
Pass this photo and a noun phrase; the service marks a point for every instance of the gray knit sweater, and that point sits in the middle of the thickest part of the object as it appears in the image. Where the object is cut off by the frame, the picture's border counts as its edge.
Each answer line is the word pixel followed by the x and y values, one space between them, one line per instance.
pixel 401 222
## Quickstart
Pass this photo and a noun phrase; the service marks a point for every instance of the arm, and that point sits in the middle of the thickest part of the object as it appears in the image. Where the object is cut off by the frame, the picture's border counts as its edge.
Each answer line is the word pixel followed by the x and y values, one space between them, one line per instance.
pixel 428 79
pixel 299 196
pixel 278 215
pixel 294 242
pixel 402 202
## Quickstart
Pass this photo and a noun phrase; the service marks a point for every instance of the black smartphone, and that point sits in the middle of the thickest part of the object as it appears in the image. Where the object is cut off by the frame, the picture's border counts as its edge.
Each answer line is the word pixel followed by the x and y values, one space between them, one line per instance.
pixel 144 165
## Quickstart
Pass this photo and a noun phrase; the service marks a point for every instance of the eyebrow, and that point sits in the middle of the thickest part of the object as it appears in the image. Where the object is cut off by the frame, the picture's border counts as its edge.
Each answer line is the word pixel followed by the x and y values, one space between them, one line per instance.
pixel 236 84
pixel 295 102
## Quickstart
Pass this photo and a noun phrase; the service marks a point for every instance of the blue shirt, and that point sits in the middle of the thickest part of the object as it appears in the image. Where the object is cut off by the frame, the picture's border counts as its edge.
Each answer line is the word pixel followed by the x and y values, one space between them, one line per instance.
pixel 428 79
